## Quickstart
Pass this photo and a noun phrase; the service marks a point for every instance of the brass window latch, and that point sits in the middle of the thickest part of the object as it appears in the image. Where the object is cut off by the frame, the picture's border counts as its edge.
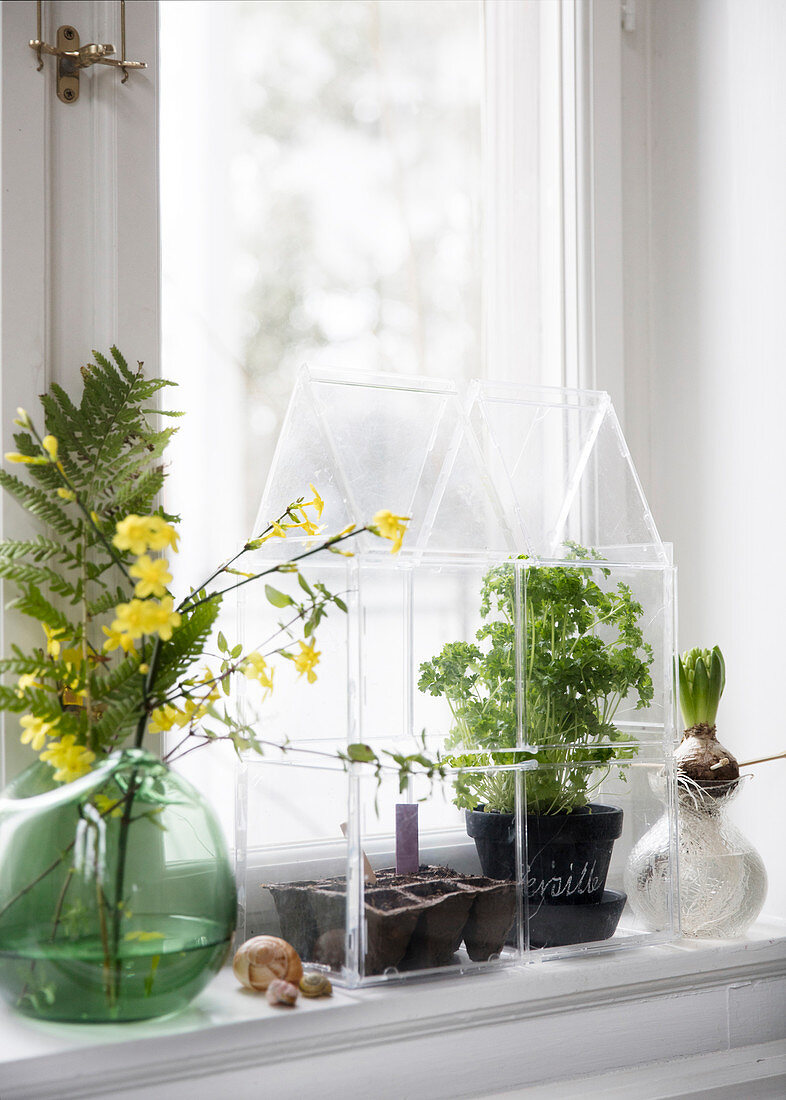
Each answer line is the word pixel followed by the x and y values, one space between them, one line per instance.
pixel 72 58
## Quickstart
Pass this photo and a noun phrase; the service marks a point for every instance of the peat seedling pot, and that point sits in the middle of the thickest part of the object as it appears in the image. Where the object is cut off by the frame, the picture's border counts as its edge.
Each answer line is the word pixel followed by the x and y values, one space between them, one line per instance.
pixel 440 926
pixel 490 918
pixel 413 922
pixel 296 915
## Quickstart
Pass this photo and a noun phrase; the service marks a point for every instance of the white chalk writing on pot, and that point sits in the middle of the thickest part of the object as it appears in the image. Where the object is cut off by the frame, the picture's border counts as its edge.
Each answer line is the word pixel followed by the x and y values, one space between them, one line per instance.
pixel 557 887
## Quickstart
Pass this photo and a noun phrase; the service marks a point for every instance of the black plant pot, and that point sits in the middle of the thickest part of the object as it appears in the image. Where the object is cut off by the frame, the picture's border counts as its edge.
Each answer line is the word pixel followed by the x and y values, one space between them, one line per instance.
pixel 568 858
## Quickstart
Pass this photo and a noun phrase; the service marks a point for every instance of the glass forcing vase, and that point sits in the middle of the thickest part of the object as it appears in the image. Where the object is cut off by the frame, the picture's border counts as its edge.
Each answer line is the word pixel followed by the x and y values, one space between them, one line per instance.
pixel 117 900
pixel 722 878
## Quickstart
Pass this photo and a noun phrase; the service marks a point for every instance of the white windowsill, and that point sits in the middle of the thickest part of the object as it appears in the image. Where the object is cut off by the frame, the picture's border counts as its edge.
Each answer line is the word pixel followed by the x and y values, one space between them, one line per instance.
pixel 448 1037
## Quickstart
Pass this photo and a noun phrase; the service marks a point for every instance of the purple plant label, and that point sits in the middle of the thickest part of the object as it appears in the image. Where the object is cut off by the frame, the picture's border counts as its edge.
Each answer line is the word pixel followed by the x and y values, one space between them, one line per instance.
pixel 407 854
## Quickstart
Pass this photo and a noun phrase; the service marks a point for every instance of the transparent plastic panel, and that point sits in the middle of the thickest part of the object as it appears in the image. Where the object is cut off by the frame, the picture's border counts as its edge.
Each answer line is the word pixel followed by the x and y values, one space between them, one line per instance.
pixel 297 709
pixel 510 654
pixel 605 508
pixel 597 644
pixel 536 442
pixel 497 468
pixel 420 884
pixel 294 814
pixel 401 895
pixel 464 671
pixel 583 872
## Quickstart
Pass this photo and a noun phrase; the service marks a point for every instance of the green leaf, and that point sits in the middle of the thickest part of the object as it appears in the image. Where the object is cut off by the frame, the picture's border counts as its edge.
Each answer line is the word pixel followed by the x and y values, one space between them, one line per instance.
pixel 361 754
pixel 222 642
pixel 278 599
pixel 701 692
pixel 686 695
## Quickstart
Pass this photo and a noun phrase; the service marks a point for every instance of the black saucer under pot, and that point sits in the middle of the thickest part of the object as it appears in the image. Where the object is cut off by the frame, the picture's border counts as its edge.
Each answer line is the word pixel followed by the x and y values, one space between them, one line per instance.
pixel 557 925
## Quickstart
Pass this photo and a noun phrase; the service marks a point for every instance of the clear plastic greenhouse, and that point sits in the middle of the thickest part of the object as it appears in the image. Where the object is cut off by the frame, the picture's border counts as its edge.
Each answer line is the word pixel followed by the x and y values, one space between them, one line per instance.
pixel 510 671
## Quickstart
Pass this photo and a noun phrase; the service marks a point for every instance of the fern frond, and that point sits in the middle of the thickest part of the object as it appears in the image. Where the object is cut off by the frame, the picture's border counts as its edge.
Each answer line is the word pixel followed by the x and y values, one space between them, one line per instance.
pixel 39 548
pixel 32 603
pixel 121 715
pixel 23 664
pixel 186 644
pixel 24 573
pixel 39 504
pixel 10 701
pixel 116 682
pixel 106 602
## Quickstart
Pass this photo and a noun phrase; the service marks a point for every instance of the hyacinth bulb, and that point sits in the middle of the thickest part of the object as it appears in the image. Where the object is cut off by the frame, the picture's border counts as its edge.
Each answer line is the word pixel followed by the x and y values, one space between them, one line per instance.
pixel 700 757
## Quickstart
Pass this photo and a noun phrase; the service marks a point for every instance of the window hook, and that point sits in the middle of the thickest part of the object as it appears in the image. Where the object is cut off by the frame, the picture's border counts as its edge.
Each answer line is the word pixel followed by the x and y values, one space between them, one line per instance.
pixel 71 58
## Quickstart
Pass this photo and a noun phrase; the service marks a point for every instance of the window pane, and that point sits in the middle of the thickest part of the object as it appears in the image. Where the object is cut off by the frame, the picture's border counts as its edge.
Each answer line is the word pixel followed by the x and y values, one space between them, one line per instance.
pixel 320 165
pixel 320 196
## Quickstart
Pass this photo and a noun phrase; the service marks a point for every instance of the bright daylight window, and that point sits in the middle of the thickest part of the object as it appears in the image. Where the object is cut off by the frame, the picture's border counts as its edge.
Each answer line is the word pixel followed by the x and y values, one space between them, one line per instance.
pixel 325 199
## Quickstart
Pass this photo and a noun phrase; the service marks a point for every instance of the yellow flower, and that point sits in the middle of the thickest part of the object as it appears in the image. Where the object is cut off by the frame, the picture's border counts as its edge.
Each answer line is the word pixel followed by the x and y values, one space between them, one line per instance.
pixel 117 637
pixel 131 534
pixel 66 494
pixel 162 535
pixel 22 418
pixel 53 639
pixel 140 617
pixel 69 759
pixel 138 534
pixel 163 718
pixel 317 503
pixel 49 443
pixel 257 668
pixel 306 659
pixel 132 619
pixel 29 460
pixel 311 528
pixel 25 681
pixel 277 532
pixel 153 576
pixel 209 677
pixel 390 526
pixel 36 731
pixel 162 619
pixel 108 807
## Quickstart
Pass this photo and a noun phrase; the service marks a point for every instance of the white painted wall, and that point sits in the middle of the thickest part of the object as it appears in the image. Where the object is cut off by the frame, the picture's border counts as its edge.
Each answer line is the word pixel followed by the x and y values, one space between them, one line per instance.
pixel 704 93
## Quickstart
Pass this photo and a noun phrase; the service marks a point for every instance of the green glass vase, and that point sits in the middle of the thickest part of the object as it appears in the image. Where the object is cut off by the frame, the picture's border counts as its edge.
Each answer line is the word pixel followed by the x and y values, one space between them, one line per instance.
pixel 117 900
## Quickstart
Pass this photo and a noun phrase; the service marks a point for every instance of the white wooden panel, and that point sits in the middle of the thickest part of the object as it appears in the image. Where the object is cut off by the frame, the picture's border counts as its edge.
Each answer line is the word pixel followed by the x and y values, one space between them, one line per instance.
pixel 79 223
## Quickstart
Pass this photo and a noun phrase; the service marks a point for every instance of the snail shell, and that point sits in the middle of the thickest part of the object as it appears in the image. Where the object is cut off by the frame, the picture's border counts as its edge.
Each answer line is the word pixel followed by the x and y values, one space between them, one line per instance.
pixel 315 984
pixel 263 958
pixel 280 992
